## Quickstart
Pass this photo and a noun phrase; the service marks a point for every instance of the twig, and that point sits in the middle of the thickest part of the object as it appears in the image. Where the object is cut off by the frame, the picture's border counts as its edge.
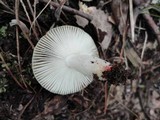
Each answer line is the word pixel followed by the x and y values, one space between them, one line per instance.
pixel 151 69
pixel 74 11
pixel 17 18
pixel 9 71
pixel 141 104
pixel 144 45
pixel 93 103
pixel 149 20
pixel 24 108
pixel 59 10
pixel 106 96
pixel 17 42
pixel 18 56
pixel 48 2
pixel 29 19
pixel 34 14
pixel 1 2
pixel 153 25
pixel 11 11
pixel 129 110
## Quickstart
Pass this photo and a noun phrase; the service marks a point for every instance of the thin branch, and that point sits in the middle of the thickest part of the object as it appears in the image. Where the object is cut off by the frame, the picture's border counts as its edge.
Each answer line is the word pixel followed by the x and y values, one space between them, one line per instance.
pixel 71 10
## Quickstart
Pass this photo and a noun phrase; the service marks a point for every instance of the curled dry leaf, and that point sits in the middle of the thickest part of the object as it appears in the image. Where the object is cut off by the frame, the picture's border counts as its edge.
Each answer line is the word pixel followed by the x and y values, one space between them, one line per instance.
pixel 100 22
pixel 21 24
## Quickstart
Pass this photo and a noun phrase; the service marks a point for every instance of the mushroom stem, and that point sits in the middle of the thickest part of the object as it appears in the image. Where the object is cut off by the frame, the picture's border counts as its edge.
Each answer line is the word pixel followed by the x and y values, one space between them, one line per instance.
pixel 87 64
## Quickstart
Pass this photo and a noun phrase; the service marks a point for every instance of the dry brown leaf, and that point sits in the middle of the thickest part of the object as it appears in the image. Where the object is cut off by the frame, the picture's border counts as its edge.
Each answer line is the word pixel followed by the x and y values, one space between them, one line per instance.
pixel 155 100
pixel 21 24
pixel 55 105
pixel 80 20
pixel 103 27
pixel 120 12
pixel 100 22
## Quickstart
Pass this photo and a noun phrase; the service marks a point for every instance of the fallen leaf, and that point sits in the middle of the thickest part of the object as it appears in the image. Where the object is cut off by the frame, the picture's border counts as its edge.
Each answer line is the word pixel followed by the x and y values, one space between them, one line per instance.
pixel 120 13
pixel 21 24
pixel 55 105
pixel 103 27
pixel 99 21
pixel 80 20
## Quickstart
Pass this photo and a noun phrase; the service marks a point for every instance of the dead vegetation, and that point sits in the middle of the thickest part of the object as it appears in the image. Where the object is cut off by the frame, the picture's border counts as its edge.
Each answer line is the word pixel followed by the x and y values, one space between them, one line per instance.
pixel 126 33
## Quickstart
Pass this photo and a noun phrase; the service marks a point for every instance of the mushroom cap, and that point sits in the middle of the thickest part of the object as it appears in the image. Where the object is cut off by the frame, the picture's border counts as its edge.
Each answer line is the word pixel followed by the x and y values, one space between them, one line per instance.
pixel 48 60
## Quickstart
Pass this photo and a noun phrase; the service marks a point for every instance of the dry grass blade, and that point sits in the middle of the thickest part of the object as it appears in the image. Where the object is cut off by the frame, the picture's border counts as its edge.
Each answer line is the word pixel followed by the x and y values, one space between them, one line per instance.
pixel 131 19
pixel 1 2
pixel 18 22
pixel 132 54
pixel 48 2
pixel 18 55
pixel 34 14
pixel 26 12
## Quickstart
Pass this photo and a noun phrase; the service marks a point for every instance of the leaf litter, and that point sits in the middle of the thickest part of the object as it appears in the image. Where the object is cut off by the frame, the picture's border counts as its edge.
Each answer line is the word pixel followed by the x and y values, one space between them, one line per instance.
pixel 132 89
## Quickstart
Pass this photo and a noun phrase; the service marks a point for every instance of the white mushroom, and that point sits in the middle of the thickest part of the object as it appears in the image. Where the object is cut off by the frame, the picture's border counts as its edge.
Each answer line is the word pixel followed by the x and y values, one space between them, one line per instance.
pixel 65 59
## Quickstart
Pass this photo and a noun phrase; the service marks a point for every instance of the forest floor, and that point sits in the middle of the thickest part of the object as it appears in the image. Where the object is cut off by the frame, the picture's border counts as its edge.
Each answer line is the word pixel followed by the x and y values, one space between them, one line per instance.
pixel 126 34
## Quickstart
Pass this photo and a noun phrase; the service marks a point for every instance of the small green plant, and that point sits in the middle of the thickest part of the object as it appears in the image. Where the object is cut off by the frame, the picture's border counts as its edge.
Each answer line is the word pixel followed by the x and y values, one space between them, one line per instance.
pixel 3 85
pixel 3 31
pixel 154 10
